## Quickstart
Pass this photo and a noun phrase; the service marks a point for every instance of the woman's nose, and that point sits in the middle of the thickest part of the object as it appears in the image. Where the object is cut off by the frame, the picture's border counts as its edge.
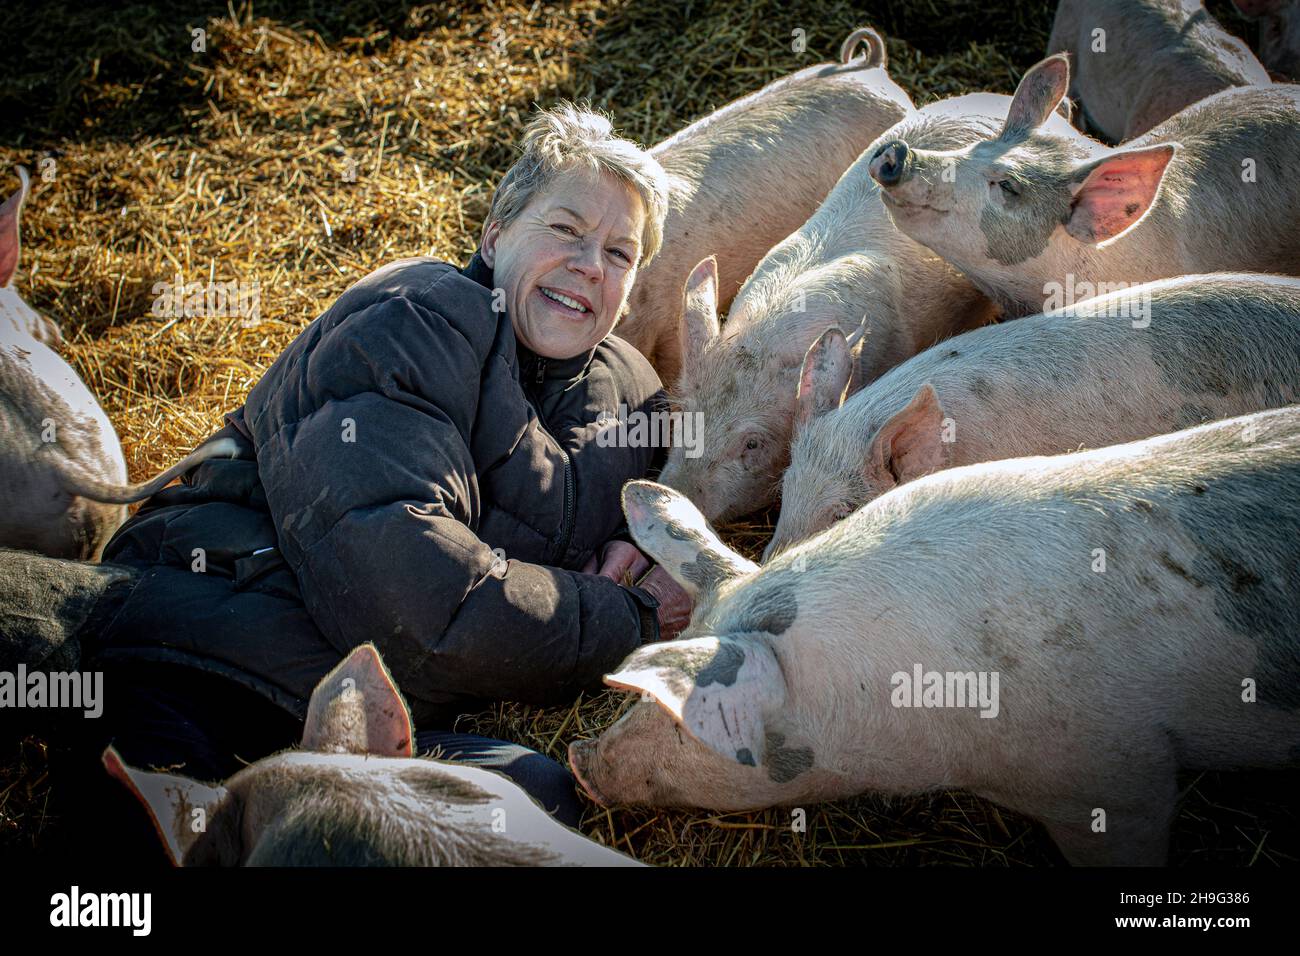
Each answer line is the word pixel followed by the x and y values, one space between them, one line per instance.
pixel 586 260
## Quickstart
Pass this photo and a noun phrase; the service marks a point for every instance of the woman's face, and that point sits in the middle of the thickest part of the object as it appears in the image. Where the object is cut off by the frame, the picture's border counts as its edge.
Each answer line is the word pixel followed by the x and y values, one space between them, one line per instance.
pixel 568 261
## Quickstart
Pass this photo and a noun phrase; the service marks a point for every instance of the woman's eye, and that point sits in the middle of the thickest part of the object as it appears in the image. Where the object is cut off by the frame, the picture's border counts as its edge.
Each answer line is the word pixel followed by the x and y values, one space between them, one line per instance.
pixel 1008 187
pixel 623 255
pixel 569 229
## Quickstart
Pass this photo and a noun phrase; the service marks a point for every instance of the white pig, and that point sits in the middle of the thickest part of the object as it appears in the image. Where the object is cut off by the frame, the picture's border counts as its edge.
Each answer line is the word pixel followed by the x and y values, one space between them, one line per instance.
pixel 1279 33
pixel 356 795
pixel 848 266
pixel 62 473
pixel 1112 369
pixel 1059 635
pixel 1038 208
pixel 747 175
pixel 1150 59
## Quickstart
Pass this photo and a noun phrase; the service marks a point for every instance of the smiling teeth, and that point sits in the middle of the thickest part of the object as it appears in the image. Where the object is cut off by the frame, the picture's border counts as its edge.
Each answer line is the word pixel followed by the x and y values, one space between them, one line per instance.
pixel 564 300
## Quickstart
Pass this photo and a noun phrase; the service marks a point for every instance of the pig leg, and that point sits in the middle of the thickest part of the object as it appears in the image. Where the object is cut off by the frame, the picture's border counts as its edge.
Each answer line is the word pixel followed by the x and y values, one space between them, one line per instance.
pixel 1138 811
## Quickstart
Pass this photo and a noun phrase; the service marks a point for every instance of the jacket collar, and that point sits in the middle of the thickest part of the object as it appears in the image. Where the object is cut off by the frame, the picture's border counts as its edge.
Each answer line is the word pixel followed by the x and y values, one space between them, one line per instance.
pixel 565 369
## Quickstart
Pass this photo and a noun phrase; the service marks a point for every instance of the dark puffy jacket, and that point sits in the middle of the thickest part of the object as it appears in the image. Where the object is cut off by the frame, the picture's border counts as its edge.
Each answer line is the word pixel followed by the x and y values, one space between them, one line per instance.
pixel 394 444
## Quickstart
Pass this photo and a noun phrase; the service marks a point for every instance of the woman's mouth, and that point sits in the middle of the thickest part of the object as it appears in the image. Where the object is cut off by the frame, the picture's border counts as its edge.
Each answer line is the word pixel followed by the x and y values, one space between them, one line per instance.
pixel 572 306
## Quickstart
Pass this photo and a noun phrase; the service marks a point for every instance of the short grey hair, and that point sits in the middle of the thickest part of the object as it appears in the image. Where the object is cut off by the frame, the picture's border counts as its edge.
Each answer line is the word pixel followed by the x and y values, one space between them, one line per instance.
pixel 567 137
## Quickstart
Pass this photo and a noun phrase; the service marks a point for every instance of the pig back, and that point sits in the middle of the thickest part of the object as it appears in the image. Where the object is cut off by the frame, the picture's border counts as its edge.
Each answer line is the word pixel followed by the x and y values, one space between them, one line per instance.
pixel 744 178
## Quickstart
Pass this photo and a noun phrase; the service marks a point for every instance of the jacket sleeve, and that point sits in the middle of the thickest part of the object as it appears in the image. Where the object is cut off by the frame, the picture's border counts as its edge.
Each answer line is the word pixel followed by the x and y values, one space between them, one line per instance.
pixel 372 493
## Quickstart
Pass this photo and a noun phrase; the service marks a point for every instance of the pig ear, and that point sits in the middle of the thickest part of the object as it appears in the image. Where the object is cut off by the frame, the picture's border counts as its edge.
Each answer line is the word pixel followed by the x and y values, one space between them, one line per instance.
pixel 1038 94
pixel 357 708
pixel 672 531
pixel 1117 192
pixel 910 444
pixel 10 242
pixel 717 689
pixel 824 376
pixel 700 308
pixel 171 801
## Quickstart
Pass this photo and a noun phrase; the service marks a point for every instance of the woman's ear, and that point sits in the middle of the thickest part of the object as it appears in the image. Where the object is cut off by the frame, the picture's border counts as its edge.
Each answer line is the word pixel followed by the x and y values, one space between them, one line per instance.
pixel 488 247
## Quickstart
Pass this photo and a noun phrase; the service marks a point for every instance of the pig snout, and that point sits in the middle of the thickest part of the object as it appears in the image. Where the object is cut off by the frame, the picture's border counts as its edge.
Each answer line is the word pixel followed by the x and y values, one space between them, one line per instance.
pixel 581 753
pixel 889 162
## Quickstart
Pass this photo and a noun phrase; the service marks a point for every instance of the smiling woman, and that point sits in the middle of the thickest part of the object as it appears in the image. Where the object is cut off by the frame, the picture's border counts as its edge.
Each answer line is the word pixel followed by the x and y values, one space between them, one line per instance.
pixel 418 469
pixel 569 226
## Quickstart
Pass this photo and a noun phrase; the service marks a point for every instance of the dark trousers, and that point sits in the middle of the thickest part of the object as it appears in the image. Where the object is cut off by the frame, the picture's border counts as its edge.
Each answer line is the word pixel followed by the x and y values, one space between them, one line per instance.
pixel 171 716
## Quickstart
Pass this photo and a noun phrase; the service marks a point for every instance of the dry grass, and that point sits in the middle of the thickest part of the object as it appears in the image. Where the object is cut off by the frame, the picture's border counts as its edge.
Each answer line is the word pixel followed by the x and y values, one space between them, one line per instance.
pixel 231 164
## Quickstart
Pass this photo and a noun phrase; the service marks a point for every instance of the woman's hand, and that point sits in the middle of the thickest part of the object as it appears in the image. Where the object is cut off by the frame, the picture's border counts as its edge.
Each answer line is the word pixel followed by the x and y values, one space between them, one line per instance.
pixel 675 605
pixel 620 561
pixel 624 563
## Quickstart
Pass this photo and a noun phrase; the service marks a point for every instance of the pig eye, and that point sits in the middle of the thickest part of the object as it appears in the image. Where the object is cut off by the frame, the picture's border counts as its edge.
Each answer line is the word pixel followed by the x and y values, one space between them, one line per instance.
pixel 1008 187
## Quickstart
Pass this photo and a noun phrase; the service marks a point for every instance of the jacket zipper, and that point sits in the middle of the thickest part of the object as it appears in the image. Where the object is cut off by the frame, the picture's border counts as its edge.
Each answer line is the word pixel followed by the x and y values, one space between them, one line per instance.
pixel 566 529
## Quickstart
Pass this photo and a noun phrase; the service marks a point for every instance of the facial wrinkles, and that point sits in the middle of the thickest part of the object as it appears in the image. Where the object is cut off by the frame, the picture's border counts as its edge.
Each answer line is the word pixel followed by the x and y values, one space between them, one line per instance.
pixel 572 240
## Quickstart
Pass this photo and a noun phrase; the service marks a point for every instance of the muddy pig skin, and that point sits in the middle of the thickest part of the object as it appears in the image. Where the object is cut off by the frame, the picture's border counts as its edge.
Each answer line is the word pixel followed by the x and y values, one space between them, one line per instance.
pixel 355 795
pixel 1114 368
pixel 1150 59
pixel 1039 206
pixel 750 173
pixel 1083 626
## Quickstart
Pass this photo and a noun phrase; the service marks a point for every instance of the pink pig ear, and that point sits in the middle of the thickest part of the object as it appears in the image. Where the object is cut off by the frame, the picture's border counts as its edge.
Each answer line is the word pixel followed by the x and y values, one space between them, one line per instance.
pixel 172 802
pixel 718 689
pixel 824 376
pixel 1117 192
pixel 910 444
pixel 700 308
pixel 1039 92
pixel 10 240
pixel 357 708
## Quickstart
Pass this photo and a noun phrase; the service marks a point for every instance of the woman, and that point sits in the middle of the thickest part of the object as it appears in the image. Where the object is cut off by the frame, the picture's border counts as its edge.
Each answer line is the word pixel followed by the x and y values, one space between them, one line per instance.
pixel 417 469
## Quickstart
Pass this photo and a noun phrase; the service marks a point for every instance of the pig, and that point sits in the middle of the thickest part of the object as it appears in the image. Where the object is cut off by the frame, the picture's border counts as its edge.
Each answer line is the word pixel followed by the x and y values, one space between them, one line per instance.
pixel 17 318
pixel 1111 369
pixel 1279 33
pixel 1059 635
pixel 747 175
pixel 61 464
pixel 1152 59
pixel 848 266
pixel 1038 206
pixel 356 795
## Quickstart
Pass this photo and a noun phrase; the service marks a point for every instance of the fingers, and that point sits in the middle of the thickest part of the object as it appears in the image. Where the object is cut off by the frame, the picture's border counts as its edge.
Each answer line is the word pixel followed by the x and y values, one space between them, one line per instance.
pixel 622 561
pixel 674 603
